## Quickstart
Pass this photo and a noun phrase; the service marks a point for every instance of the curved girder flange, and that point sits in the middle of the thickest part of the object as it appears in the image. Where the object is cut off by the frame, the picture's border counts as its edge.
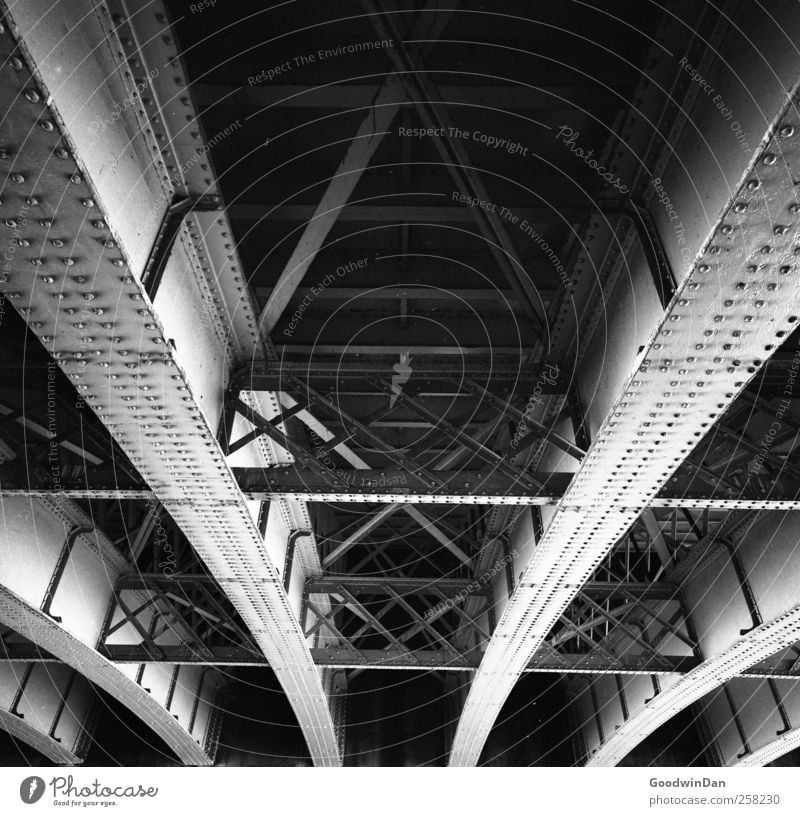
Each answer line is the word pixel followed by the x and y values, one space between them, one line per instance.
pixel 745 607
pixel 48 706
pixel 33 533
pixel 688 371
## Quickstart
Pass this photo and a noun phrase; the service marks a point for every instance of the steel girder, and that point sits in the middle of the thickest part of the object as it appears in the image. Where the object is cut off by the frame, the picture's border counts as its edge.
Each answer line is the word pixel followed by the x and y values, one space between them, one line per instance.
pixel 52 708
pixel 729 307
pixel 747 610
pixel 152 372
pixel 55 587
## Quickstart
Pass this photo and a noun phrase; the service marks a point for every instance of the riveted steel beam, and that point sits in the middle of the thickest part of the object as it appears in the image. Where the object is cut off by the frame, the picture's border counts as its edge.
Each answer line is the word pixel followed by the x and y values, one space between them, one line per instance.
pixel 140 364
pixel 499 377
pixel 728 308
pixel 394 484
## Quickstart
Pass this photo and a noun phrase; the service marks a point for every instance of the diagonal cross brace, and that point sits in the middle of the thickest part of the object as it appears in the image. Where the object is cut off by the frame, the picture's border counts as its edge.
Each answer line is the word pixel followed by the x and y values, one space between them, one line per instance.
pixel 390 97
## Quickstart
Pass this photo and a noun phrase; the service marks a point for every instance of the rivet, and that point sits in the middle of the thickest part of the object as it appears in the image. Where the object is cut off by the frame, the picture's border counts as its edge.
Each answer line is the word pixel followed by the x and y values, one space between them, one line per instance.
pixel 98 223
pixel 786 131
pixel 32 201
pixel 76 178
pixel 61 153
pixel 31 95
pixel 769 159
pixel 87 202
pixel 740 207
pixel 17 178
pixel 45 223
pixel 753 184
pixel 46 125
pixel 16 63
pixel 68 261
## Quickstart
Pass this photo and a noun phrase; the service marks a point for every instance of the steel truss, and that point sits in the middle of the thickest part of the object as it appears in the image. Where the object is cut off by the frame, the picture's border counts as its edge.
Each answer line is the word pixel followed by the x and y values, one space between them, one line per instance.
pixel 393 623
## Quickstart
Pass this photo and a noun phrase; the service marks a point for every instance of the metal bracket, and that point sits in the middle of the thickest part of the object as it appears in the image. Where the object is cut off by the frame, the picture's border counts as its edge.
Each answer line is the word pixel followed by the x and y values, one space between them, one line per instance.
pixel 738 723
pixel 747 590
pixel 13 708
pixel 506 544
pixel 653 249
pixel 776 695
pixel 289 560
pixel 167 233
pixel 58 571
pixel 61 706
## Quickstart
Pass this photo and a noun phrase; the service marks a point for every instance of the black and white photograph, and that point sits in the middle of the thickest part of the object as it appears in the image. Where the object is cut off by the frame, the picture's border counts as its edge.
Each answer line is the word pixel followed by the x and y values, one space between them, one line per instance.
pixel 410 385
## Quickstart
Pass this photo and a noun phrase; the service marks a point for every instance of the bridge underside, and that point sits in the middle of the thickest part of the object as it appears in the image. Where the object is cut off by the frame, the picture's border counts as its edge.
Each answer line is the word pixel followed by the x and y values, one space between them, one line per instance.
pixel 399 383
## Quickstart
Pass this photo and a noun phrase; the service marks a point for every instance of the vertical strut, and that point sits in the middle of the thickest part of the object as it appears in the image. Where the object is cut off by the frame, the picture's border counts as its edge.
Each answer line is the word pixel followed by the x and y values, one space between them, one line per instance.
pixel 58 571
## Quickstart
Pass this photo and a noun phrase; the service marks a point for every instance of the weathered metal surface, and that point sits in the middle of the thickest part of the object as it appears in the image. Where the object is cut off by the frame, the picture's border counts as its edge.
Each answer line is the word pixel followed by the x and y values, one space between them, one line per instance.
pixel 153 372
pixel 728 310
